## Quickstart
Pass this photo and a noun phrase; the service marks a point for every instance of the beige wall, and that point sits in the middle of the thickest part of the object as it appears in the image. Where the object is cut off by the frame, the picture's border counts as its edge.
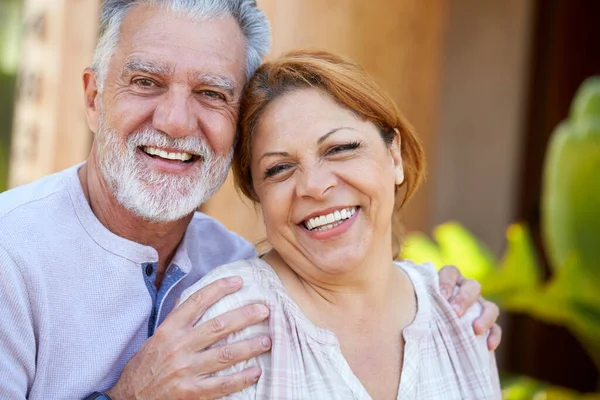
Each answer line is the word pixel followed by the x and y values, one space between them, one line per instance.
pixel 50 132
pixel 483 105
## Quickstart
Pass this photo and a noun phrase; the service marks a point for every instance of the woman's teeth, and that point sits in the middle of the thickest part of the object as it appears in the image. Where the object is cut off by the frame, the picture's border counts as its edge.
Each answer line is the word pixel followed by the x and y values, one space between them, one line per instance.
pixel 329 221
pixel 167 155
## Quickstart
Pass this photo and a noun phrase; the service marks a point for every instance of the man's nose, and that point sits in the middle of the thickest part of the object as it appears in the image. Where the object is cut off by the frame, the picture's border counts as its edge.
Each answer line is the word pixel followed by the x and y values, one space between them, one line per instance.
pixel 315 182
pixel 175 114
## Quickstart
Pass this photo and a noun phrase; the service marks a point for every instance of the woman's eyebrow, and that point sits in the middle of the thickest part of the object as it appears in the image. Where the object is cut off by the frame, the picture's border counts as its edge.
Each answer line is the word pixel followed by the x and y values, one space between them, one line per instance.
pixel 331 132
pixel 274 153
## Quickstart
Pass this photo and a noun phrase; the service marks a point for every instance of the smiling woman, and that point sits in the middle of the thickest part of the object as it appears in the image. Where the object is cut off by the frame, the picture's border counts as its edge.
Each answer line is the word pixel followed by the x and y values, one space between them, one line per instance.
pixel 329 158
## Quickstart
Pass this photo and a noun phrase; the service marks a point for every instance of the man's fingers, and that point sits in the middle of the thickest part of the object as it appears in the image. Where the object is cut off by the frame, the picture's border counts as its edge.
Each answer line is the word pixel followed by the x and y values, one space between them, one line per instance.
pixel 211 331
pixel 488 317
pixel 190 311
pixel 493 341
pixel 218 358
pixel 217 387
pixel 486 322
pixel 449 277
pixel 468 294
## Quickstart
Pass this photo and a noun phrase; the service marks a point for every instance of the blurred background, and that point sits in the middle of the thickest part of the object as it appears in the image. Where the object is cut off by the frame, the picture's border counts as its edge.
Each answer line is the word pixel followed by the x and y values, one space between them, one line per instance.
pixel 485 83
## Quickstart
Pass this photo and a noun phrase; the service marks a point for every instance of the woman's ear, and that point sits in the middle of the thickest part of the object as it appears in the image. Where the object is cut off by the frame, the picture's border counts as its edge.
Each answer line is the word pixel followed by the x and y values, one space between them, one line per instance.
pixel 396 152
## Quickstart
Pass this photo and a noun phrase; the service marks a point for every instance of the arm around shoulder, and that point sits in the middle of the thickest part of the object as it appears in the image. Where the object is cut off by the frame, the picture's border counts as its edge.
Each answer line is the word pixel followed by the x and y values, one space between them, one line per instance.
pixel 251 293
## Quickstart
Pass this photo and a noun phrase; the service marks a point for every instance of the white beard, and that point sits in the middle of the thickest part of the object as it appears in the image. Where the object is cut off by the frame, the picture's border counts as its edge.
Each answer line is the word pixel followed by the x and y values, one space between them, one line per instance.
pixel 150 194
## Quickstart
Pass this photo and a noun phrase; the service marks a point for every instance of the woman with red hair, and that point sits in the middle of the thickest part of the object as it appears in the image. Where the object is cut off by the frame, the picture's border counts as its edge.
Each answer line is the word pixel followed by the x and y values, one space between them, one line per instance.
pixel 330 160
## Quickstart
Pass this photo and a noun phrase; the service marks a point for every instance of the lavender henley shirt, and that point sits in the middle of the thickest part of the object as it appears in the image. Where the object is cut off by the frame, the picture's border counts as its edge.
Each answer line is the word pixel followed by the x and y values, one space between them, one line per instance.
pixel 77 301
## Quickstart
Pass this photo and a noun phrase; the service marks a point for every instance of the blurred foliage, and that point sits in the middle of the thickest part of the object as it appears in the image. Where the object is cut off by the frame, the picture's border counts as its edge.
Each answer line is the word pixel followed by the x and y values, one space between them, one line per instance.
pixel 7 85
pixel 10 35
pixel 571 222
pixel 571 195
pixel 10 41
pixel 570 298
pixel 523 388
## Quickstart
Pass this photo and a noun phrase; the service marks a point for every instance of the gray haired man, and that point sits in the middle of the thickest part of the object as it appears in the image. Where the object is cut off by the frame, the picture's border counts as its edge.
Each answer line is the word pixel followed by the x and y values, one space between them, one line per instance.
pixel 93 258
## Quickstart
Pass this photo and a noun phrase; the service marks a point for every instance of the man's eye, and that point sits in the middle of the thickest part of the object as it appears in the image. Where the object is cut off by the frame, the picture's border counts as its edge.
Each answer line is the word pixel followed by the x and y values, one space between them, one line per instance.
pixel 144 82
pixel 342 148
pixel 270 172
pixel 213 95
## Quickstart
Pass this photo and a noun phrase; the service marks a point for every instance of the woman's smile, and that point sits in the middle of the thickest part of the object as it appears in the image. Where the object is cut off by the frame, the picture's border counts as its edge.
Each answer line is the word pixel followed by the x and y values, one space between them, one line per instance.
pixel 329 224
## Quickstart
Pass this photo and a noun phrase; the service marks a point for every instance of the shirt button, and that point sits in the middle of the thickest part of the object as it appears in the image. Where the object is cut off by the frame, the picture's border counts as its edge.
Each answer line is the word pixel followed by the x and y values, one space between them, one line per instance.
pixel 149 270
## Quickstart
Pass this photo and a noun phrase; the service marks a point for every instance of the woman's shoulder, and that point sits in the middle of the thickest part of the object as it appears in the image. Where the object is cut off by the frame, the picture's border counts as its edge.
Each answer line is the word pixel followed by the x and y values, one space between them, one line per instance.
pixel 425 280
pixel 450 337
pixel 257 280
pixel 434 309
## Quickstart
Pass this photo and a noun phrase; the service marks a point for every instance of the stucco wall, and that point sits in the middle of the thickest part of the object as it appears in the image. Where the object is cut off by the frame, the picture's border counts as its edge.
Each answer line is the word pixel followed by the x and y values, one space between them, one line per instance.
pixel 483 104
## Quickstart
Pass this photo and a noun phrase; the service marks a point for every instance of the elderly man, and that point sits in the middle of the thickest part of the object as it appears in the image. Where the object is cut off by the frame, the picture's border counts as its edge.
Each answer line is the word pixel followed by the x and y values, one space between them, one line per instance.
pixel 93 258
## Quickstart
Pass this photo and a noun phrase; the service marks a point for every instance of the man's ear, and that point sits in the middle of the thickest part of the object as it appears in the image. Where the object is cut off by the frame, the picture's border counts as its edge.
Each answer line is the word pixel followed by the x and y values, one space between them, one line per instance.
pixel 396 152
pixel 91 99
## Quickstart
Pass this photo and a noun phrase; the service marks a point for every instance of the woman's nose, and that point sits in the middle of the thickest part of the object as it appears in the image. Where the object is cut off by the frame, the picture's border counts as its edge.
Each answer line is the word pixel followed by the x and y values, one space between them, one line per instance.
pixel 315 182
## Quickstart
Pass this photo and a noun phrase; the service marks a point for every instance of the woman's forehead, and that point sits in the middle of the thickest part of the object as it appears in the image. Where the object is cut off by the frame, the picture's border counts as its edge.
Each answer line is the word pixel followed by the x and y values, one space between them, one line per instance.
pixel 303 113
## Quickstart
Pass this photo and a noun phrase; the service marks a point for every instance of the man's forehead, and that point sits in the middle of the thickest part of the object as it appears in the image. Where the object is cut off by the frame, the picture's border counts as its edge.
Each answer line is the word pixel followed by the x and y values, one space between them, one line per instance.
pixel 145 21
pixel 161 43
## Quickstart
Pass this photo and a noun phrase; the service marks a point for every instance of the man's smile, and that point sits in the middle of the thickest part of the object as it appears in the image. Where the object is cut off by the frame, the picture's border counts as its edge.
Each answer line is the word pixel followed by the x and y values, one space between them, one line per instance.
pixel 164 154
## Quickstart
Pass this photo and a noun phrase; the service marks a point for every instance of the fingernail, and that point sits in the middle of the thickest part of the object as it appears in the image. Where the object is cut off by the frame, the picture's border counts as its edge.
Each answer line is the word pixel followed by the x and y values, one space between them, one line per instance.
pixel 457 308
pixel 265 342
pixel 444 292
pixel 262 310
pixel 256 374
pixel 234 280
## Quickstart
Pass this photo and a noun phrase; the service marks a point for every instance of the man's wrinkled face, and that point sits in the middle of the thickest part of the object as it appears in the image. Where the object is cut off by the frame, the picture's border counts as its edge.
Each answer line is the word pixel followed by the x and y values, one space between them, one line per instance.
pixel 168 111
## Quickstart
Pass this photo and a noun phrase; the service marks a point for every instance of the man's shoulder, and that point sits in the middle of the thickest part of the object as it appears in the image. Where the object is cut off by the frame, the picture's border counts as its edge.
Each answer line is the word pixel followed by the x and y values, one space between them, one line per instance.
pixel 208 237
pixel 38 199
pixel 205 222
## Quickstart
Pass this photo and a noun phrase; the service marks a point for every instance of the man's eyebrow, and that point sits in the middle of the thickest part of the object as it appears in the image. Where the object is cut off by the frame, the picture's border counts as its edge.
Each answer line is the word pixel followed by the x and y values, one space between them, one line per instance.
pixel 147 67
pixel 331 132
pixel 218 81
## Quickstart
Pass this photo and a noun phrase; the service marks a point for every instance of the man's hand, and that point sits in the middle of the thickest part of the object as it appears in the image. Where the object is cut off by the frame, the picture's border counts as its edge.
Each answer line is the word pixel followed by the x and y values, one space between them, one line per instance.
pixel 175 363
pixel 469 292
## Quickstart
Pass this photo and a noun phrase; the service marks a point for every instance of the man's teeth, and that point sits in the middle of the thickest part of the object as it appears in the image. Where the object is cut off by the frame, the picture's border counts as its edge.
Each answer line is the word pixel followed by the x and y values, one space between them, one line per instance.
pixel 165 154
pixel 326 222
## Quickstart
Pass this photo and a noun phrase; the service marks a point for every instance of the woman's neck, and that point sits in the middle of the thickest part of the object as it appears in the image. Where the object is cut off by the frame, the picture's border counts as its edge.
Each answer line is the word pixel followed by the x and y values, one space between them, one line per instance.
pixel 371 290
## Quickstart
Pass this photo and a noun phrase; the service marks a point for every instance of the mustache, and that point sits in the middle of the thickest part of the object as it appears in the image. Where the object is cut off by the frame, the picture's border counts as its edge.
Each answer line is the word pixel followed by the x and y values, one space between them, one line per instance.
pixel 153 138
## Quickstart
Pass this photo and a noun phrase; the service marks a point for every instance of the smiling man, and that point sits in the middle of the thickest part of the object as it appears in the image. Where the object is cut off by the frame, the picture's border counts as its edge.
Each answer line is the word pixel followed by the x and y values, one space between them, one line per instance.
pixel 94 258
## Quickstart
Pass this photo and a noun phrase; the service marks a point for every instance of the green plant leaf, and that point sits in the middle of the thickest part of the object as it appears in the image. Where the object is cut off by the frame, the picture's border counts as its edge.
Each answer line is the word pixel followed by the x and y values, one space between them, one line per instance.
pixel 459 247
pixel 519 273
pixel 419 248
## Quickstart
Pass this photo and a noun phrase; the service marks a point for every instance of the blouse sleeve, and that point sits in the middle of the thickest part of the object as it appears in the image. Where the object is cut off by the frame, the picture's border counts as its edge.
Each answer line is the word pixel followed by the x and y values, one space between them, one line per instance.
pixel 250 293
pixel 486 358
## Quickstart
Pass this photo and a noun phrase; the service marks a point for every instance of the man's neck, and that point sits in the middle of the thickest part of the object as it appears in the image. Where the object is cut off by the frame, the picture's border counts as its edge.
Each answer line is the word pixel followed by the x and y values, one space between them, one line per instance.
pixel 163 237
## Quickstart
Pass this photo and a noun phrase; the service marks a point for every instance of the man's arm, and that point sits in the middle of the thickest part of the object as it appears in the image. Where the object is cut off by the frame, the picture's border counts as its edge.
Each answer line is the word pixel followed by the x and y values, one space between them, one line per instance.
pixel 176 362
pixel 468 294
pixel 17 338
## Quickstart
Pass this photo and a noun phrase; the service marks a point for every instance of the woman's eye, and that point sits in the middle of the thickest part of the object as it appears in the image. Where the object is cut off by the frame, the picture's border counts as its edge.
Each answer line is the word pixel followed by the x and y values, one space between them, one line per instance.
pixel 343 148
pixel 270 172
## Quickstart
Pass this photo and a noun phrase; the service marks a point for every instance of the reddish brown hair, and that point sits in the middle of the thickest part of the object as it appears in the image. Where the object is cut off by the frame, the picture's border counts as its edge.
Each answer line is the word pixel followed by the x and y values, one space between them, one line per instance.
pixel 348 84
